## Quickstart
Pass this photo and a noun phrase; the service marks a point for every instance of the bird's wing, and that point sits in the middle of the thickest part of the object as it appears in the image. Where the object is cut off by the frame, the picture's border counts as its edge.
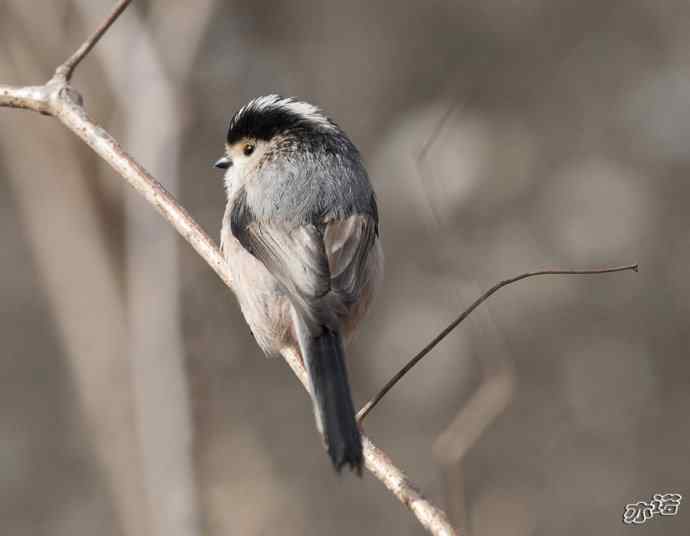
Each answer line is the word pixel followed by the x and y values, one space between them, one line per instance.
pixel 321 266
pixel 348 243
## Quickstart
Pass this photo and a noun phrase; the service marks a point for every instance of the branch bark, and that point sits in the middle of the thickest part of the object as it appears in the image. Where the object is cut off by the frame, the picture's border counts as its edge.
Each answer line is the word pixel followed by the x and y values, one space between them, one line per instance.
pixel 59 99
pixel 28 98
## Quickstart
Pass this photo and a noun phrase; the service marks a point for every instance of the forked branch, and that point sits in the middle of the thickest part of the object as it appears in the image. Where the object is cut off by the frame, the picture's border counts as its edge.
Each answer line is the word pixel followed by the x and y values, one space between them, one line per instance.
pixel 59 99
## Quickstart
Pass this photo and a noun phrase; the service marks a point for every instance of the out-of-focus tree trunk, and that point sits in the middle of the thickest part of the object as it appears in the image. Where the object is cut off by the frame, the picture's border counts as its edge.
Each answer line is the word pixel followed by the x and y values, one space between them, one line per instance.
pixel 154 126
pixel 68 244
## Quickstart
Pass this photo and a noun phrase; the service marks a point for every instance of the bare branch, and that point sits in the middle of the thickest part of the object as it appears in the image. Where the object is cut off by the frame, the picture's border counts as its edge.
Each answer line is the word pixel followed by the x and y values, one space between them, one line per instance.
pixel 67 69
pixel 435 134
pixel 432 518
pixel 59 99
pixel 366 409
pixel 74 117
pixel 28 98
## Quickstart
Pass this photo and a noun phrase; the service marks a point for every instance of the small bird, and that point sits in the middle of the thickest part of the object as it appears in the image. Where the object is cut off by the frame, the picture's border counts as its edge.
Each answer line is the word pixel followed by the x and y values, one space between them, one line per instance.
pixel 300 235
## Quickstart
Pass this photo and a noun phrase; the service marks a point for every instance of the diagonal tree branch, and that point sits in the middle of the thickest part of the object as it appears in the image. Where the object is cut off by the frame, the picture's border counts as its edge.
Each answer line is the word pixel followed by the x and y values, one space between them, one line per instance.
pixel 366 409
pixel 59 99
pixel 380 465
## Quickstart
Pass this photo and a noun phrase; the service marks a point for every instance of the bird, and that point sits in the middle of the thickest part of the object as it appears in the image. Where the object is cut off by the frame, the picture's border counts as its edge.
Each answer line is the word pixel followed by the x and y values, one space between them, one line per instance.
pixel 300 236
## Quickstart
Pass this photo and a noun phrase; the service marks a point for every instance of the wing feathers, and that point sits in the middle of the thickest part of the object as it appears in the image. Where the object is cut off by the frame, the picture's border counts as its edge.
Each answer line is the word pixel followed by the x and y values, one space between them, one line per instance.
pixel 348 243
pixel 321 267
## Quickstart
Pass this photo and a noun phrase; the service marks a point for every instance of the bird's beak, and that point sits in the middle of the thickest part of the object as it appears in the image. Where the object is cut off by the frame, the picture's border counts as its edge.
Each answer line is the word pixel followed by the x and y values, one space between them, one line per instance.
pixel 223 163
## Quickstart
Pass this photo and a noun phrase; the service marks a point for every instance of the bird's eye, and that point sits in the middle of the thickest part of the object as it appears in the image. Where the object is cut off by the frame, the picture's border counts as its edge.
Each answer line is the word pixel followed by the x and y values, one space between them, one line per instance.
pixel 248 149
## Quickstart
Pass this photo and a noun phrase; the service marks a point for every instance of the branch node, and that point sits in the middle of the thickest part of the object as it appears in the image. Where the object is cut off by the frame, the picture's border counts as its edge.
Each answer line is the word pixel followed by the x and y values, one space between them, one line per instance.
pixel 67 92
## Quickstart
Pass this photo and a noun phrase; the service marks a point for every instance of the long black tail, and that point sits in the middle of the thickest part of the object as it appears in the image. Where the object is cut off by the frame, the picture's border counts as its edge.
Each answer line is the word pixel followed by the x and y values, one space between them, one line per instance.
pixel 335 413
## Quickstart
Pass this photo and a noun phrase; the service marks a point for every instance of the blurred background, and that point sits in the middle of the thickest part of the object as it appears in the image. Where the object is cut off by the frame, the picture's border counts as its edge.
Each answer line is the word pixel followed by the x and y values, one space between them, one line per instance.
pixel 501 137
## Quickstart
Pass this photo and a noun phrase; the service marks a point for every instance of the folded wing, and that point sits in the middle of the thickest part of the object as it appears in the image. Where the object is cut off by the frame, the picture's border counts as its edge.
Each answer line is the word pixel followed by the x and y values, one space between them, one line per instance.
pixel 321 266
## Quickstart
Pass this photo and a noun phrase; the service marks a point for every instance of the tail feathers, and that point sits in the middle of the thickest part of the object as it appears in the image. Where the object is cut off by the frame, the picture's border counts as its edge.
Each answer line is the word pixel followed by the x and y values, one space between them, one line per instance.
pixel 335 413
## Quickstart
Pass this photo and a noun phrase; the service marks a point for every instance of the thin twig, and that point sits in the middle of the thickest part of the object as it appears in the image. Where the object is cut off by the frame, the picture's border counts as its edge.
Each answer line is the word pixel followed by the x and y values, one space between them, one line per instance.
pixel 366 409
pixel 67 69
pixel 60 100
pixel 436 133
